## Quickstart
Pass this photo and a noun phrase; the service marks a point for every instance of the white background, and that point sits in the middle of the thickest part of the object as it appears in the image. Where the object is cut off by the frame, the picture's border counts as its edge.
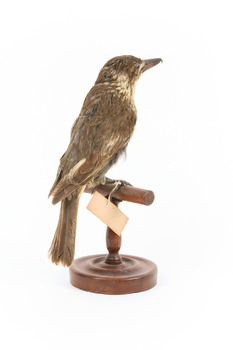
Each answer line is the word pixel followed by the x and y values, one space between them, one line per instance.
pixel 50 55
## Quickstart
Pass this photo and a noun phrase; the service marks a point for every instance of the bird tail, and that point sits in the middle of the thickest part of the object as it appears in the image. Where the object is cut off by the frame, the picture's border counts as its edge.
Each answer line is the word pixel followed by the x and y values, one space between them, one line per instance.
pixel 63 244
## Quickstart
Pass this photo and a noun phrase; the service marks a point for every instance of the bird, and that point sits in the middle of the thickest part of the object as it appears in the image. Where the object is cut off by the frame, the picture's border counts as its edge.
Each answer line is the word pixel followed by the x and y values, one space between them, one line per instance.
pixel 99 136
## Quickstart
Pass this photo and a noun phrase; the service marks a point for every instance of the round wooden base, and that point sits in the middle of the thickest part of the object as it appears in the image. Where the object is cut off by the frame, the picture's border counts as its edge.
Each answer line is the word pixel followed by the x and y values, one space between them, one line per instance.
pixel 133 274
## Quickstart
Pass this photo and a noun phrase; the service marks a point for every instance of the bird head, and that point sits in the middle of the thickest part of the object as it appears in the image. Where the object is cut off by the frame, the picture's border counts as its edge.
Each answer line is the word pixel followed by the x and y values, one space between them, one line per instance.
pixel 124 70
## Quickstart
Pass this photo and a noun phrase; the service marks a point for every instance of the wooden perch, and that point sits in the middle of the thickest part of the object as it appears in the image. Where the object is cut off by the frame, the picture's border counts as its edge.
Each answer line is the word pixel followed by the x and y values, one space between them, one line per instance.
pixel 125 193
pixel 114 273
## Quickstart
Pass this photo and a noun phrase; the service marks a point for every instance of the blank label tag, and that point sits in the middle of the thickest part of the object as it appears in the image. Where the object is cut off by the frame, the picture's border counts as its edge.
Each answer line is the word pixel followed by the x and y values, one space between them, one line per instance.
pixel 108 213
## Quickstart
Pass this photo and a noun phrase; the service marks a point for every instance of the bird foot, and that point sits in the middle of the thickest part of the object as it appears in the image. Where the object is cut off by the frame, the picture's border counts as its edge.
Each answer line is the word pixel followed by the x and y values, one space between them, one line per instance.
pixel 109 181
pixel 118 184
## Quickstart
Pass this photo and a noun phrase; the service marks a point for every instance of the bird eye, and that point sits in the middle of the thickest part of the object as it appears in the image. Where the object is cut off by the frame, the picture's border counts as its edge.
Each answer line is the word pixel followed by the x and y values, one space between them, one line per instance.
pixel 138 66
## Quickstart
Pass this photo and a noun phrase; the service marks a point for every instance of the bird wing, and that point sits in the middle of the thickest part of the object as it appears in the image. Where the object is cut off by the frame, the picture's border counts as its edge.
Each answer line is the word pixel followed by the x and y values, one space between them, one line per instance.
pixel 93 144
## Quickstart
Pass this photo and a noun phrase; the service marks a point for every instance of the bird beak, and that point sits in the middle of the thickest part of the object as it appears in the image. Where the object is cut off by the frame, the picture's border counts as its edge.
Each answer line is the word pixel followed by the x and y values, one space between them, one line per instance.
pixel 151 63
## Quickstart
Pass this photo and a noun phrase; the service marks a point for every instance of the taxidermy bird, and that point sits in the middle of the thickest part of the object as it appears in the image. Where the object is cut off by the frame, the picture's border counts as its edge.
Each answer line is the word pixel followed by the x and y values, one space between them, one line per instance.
pixel 99 136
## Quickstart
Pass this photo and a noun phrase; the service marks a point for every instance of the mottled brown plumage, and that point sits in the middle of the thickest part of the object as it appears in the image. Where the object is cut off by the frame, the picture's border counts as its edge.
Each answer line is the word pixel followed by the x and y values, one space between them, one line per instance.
pixel 98 137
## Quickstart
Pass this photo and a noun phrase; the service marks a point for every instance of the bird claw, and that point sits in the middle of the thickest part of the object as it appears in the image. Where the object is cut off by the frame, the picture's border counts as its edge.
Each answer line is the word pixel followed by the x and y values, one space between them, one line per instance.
pixel 109 181
pixel 125 183
pixel 118 184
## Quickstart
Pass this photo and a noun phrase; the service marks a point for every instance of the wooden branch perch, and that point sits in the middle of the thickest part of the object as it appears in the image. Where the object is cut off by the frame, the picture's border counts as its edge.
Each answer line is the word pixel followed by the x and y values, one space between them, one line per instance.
pixel 125 193
pixel 114 273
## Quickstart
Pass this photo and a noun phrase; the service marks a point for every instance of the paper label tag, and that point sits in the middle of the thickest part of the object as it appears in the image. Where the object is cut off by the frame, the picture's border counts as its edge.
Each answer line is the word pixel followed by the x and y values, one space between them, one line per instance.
pixel 108 213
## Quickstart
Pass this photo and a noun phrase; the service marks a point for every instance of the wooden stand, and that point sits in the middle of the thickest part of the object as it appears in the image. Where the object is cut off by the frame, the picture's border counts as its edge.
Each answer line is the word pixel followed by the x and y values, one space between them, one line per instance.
pixel 114 273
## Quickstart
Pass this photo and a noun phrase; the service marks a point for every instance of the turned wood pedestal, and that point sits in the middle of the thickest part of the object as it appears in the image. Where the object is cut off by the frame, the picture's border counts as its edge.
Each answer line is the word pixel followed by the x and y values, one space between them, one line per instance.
pixel 113 273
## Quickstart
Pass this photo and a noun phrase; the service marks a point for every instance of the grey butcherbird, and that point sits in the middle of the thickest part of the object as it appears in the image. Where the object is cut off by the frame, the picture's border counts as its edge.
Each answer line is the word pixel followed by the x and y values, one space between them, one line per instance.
pixel 98 137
